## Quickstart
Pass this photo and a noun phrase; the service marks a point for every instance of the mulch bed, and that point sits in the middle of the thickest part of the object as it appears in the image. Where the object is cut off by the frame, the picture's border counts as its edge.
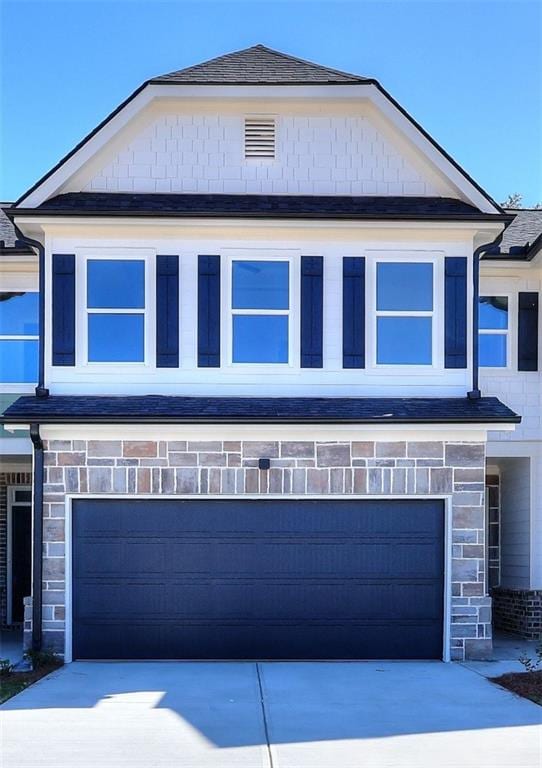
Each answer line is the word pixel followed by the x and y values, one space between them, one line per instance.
pixel 526 684
pixel 14 682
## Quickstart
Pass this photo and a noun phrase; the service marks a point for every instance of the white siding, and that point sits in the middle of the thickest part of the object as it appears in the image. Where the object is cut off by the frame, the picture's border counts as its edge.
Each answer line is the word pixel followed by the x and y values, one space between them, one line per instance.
pixel 316 155
pixel 332 379
pixel 515 522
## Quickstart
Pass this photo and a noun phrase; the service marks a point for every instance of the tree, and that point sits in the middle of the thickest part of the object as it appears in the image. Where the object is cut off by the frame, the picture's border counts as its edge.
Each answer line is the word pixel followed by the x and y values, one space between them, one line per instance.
pixel 515 200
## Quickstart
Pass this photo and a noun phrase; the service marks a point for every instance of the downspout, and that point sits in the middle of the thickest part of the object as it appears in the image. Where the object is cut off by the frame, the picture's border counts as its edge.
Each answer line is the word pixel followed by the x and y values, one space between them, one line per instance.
pixel 41 390
pixel 37 537
pixel 475 393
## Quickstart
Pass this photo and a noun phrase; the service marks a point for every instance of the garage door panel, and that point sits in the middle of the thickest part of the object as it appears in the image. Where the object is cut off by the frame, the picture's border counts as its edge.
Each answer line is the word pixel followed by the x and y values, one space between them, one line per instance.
pixel 257 579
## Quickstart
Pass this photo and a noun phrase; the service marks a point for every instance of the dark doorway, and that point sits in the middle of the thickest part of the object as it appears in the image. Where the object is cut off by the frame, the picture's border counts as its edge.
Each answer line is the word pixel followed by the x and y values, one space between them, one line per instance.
pixel 20 551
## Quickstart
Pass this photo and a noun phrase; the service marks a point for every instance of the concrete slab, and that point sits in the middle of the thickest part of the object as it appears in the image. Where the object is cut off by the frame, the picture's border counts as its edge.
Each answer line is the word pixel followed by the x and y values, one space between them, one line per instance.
pixel 270 715
pixel 412 715
pixel 138 715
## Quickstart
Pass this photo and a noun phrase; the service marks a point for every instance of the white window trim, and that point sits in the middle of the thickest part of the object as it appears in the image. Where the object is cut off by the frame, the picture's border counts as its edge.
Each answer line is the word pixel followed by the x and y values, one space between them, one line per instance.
pixel 512 311
pixel 148 312
pixel 22 386
pixel 293 259
pixel 436 314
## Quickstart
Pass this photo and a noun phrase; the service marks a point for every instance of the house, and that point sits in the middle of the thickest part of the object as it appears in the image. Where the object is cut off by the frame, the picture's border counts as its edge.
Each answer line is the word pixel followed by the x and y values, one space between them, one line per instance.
pixel 282 335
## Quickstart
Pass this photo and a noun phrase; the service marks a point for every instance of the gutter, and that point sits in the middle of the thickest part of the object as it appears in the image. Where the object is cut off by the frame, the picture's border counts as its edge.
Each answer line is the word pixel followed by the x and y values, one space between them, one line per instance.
pixel 232 214
pixel 37 537
pixel 475 393
pixel 41 390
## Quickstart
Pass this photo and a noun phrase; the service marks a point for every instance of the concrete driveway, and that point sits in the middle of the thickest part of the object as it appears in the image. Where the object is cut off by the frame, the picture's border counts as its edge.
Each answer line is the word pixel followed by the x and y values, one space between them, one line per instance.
pixel 306 715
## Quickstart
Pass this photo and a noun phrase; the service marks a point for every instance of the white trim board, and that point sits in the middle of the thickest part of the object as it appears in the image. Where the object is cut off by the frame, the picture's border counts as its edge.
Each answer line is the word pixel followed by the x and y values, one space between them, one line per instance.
pixel 447 499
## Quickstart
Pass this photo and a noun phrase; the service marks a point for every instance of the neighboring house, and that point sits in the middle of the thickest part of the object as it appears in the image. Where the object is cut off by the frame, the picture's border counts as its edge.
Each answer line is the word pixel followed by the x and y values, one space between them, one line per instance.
pixel 257 430
pixel 18 374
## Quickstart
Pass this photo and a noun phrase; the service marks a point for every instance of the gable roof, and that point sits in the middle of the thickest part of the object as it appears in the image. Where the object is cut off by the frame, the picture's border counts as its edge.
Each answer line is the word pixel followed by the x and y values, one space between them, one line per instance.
pixel 259 65
pixel 523 237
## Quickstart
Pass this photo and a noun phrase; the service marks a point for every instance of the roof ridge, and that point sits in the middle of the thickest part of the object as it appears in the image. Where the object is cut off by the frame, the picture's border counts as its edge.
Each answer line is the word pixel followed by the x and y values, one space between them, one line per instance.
pixel 225 58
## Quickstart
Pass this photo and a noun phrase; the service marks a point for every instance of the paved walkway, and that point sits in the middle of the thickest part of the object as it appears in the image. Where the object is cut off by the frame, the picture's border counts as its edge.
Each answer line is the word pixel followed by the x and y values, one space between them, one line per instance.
pixel 292 715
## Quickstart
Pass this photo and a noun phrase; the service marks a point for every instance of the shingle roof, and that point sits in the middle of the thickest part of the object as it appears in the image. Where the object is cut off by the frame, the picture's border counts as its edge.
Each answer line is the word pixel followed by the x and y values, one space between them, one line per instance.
pixel 8 236
pixel 58 409
pixel 259 65
pixel 523 231
pixel 260 206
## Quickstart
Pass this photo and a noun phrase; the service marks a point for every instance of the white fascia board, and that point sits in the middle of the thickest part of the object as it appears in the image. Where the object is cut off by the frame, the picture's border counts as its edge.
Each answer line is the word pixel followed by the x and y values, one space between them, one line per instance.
pixel 490 228
pixel 150 92
pixel 316 432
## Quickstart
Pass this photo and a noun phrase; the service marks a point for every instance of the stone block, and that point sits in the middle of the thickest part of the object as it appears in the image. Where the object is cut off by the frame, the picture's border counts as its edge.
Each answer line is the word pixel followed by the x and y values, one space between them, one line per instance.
pixel 212 459
pixel 317 481
pixel 207 446
pixel 479 649
pixel 140 448
pixel 465 454
pixel 99 480
pixel 467 517
pixel 297 449
pixel 363 449
pixel 464 570
pixel 186 480
pixel 253 449
pixel 110 448
pixel 441 479
pixel 430 449
pixel 183 459
pixel 72 458
pixel 143 480
pixel 391 450
pixel 333 455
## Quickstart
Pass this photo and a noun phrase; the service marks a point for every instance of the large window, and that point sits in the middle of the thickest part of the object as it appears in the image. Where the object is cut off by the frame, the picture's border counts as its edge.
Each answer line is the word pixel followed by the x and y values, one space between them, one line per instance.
pixel 116 310
pixel 18 338
pixel 260 304
pixel 493 331
pixel 404 313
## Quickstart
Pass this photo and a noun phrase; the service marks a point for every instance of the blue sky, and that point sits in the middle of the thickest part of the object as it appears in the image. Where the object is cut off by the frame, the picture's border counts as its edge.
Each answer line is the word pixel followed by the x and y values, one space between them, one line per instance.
pixel 470 71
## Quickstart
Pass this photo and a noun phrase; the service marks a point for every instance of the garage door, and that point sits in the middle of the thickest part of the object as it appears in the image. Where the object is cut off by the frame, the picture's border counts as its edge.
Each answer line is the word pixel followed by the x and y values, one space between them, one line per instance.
pixel 245 579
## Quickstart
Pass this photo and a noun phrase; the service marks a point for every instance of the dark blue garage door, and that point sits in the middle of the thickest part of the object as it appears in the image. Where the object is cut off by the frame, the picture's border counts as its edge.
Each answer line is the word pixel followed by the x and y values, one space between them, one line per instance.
pixel 246 579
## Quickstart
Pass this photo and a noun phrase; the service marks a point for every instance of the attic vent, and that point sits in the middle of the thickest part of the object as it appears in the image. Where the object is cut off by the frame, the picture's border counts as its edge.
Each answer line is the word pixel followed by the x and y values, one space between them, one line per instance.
pixel 259 137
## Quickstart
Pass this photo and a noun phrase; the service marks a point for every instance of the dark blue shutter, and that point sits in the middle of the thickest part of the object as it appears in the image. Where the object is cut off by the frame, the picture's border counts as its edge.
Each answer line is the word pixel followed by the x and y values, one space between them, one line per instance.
pixel 354 312
pixel 312 301
pixel 209 311
pixel 528 331
pixel 455 302
pixel 63 326
pixel 167 311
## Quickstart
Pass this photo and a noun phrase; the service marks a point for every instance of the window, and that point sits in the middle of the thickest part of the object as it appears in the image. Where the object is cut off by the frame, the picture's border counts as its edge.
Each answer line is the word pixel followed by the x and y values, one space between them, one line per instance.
pixel 259 137
pixel 116 310
pixel 404 313
pixel 18 338
pixel 493 331
pixel 260 303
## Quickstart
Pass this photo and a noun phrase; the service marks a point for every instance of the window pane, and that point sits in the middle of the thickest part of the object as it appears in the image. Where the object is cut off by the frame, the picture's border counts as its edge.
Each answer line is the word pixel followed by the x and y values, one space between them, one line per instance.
pixel 18 361
pixel 404 340
pixel 260 339
pixel 116 284
pixel 404 287
pixel 18 314
pixel 493 312
pixel 260 284
pixel 492 350
pixel 116 338
pixel 23 496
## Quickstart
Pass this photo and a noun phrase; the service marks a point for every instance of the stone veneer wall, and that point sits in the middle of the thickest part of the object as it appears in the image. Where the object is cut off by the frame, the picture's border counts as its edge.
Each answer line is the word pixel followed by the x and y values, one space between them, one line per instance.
pixel 7 479
pixel 297 467
pixel 518 611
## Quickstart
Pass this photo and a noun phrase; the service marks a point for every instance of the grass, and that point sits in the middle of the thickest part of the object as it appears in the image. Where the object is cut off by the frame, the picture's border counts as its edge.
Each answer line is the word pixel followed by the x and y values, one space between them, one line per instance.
pixel 12 683
pixel 526 684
